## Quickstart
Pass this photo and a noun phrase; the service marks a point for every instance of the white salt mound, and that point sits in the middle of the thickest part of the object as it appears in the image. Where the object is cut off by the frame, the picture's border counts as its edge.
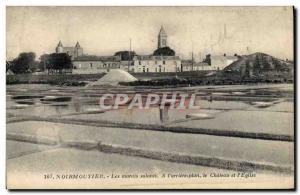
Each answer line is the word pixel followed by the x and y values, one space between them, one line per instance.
pixel 113 77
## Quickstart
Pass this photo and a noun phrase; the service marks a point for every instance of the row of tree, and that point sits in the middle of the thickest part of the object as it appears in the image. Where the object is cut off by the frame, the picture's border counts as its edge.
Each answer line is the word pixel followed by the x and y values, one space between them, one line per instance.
pixel 25 62
pixel 54 63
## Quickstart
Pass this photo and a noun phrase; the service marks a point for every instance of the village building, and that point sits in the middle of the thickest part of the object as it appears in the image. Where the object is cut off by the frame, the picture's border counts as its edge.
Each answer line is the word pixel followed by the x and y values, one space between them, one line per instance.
pixel 202 66
pixel 150 63
pixel 189 65
pixel 219 62
pixel 126 65
pixel 89 64
pixel 186 65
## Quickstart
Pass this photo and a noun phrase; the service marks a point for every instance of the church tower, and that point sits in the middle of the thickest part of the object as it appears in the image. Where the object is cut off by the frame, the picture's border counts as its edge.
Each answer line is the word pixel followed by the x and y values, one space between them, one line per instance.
pixel 162 38
pixel 78 51
pixel 59 48
pixel 77 45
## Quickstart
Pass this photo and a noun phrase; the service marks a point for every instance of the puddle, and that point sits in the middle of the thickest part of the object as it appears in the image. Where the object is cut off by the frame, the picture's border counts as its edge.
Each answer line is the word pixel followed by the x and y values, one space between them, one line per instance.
pixel 238 93
pixel 86 102
pixel 19 97
pixel 25 102
pixel 62 105
pixel 56 99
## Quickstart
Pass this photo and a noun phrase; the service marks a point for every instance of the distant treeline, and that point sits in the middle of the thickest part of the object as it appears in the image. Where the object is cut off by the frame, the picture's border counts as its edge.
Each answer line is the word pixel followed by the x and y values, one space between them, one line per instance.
pixel 55 63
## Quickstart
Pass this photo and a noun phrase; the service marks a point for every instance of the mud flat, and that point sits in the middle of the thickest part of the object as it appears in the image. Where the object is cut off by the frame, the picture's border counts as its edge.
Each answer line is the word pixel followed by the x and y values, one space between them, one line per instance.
pixel 15 149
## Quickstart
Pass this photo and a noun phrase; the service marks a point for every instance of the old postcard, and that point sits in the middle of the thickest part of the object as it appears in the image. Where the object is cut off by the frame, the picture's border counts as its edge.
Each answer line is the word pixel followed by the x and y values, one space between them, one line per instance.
pixel 149 97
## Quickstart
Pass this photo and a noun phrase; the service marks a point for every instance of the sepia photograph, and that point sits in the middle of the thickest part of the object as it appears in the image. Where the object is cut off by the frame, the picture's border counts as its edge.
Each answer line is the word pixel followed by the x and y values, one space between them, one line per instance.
pixel 150 97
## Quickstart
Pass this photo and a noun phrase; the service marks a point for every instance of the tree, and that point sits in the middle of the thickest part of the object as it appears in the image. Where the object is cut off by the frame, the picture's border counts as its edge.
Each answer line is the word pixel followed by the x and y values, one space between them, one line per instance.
pixel 44 62
pixel 57 62
pixel 23 62
pixel 33 67
pixel 164 51
pixel 125 55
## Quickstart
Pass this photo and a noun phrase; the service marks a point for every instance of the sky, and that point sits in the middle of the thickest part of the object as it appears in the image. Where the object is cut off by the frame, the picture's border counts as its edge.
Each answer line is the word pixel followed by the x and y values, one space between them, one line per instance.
pixel 106 30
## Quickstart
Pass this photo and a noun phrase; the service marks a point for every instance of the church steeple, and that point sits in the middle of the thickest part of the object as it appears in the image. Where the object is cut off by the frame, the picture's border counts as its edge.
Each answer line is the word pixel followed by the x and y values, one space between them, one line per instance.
pixel 59 47
pixel 77 45
pixel 162 38
pixel 59 44
pixel 162 31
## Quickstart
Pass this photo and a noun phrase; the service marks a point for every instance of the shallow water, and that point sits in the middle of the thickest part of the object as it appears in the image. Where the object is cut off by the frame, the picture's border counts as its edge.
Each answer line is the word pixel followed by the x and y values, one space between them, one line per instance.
pixel 233 114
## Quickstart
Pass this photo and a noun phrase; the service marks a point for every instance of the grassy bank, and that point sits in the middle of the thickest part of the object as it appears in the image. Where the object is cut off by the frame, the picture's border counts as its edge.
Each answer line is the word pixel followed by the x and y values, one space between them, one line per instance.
pixel 67 79
pixel 179 82
pixel 146 79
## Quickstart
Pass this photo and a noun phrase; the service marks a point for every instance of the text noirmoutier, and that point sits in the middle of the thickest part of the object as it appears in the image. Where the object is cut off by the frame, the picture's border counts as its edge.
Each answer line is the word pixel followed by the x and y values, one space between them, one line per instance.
pixel 150 176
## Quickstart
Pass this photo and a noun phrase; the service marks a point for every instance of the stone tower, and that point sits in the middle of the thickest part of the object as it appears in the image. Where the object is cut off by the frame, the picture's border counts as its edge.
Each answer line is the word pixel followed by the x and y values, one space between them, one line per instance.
pixel 162 38
pixel 59 48
pixel 77 45
pixel 78 51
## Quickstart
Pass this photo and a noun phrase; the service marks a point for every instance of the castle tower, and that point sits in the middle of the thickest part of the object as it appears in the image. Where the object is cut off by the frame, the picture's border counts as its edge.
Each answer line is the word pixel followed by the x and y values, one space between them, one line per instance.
pixel 78 51
pixel 59 48
pixel 162 38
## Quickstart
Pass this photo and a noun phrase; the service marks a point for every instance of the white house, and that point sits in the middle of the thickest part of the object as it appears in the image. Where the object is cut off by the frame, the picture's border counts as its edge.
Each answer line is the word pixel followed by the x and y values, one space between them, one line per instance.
pixel 150 63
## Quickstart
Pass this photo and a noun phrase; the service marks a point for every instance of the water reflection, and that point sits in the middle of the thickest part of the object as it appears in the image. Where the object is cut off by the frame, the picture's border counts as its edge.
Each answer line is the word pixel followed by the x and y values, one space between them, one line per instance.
pixel 60 108
pixel 32 105
pixel 164 114
pixel 77 106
